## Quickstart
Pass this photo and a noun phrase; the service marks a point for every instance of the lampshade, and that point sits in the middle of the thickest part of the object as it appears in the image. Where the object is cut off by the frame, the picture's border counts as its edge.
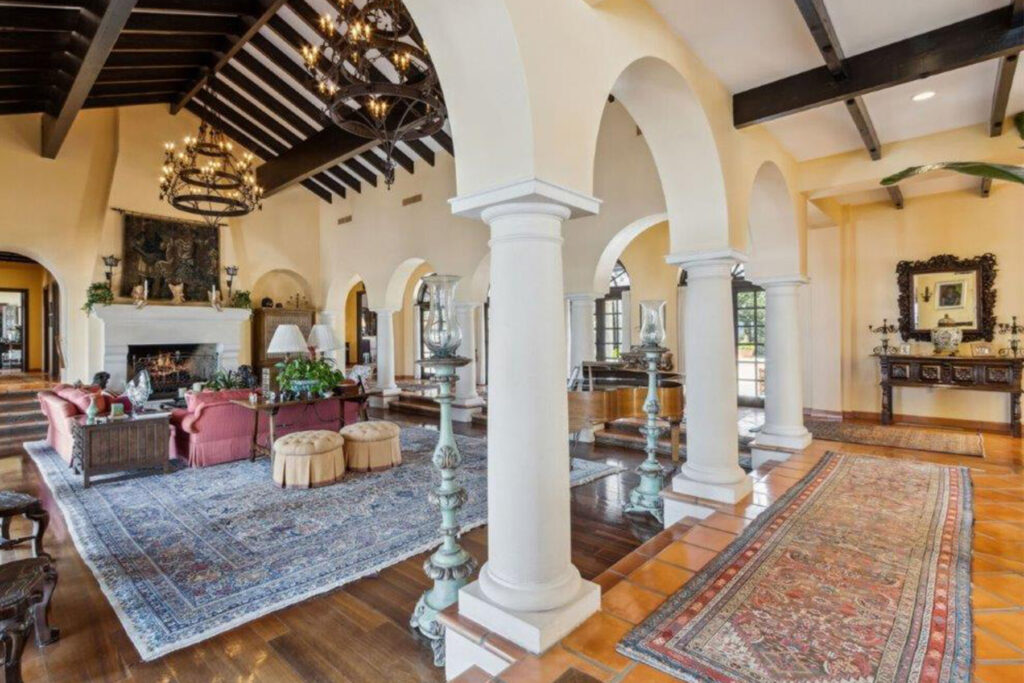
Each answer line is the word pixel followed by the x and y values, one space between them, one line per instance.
pixel 322 338
pixel 287 339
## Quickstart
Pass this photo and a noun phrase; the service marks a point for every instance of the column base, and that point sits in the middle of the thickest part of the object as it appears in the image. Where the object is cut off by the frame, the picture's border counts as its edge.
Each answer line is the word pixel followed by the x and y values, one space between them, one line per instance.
pixel 760 456
pixel 727 492
pixel 382 398
pixel 788 438
pixel 678 506
pixel 463 409
pixel 533 631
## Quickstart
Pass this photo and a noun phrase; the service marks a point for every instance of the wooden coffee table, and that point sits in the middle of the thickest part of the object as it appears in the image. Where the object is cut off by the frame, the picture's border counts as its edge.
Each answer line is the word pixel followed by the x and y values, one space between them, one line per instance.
pixel 121 445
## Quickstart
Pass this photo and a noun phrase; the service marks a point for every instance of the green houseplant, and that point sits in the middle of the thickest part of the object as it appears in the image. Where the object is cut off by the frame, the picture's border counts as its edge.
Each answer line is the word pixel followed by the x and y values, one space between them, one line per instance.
pixel 317 375
pixel 981 169
pixel 241 299
pixel 98 293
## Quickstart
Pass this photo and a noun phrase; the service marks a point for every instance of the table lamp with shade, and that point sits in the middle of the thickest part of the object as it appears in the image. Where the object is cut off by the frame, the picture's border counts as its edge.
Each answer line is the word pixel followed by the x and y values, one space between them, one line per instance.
pixel 322 339
pixel 287 339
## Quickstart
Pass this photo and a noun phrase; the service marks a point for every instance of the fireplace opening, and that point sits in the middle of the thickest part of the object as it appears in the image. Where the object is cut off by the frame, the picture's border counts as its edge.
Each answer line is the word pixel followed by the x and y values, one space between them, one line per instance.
pixel 173 366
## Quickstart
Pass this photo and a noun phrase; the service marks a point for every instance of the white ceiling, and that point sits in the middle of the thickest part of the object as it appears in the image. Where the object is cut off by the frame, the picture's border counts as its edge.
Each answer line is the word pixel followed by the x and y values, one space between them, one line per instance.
pixel 751 42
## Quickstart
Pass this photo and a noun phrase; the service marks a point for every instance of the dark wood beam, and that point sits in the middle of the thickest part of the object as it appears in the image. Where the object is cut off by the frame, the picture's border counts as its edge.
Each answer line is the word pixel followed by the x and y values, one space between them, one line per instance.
pixel 145 88
pixel 169 42
pixel 27 107
pixel 315 154
pixel 980 38
pixel 36 41
pixel 1001 94
pixel 442 138
pixel 859 113
pixel 283 110
pixel 318 190
pixel 820 24
pixel 153 73
pixel 361 171
pixel 422 150
pixel 230 7
pixel 344 176
pixel 132 60
pixel 986 187
pixel 39 18
pixel 154 22
pixel 128 100
pixel 108 28
pixel 896 194
pixel 329 182
pixel 252 27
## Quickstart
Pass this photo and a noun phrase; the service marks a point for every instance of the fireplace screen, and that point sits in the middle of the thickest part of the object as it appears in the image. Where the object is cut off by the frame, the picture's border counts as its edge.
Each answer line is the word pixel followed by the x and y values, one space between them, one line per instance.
pixel 173 366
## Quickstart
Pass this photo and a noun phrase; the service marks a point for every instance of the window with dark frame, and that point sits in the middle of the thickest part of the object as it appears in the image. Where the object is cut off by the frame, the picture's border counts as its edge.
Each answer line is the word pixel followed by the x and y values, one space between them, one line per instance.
pixel 749 317
pixel 608 332
pixel 423 307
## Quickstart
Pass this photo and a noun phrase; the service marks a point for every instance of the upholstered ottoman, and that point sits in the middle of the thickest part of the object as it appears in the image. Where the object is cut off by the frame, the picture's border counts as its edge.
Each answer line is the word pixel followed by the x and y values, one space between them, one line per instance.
pixel 305 460
pixel 371 446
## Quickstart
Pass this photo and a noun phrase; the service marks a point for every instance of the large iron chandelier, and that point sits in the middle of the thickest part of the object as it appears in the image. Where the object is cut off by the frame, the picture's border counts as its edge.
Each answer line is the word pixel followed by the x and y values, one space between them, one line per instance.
pixel 373 77
pixel 204 177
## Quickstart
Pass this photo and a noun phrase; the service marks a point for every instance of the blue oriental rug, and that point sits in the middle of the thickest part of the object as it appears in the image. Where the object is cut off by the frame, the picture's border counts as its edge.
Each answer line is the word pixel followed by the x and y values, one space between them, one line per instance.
pixel 187 555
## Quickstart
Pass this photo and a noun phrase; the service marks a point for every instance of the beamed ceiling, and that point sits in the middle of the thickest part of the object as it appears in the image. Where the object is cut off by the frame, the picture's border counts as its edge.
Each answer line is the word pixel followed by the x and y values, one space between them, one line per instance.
pixel 60 56
pixel 825 76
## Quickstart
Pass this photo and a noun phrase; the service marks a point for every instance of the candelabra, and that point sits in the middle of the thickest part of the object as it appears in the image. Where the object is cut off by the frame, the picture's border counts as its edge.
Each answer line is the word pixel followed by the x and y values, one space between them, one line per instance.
pixel 231 272
pixel 646 497
pixel 450 566
pixel 885 329
pixel 110 262
pixel 1013 329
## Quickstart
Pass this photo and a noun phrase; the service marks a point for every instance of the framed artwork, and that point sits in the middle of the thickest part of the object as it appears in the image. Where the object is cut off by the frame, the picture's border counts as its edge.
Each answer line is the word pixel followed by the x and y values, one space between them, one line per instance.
pixel 980 349
pixel 165 251
pixel 950 294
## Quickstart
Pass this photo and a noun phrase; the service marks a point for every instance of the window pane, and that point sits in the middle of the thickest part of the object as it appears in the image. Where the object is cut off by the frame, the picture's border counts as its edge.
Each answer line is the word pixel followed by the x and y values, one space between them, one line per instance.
pixel 745 351
pixel 760 298
pixel 746 388
pixel 744 299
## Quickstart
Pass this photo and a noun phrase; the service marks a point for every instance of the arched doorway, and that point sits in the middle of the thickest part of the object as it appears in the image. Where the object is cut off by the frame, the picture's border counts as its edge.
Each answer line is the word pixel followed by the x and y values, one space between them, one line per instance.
pixel 29 318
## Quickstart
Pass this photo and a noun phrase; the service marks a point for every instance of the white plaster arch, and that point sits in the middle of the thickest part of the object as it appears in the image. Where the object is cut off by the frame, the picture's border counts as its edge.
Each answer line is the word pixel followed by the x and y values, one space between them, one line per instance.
pixel 394 292
pixel 337 293
pixel 681 140
pixel 773 240
pixel 474 47
pixel 63 302
pixel 277 282
pixel 476 288
pixel 613 250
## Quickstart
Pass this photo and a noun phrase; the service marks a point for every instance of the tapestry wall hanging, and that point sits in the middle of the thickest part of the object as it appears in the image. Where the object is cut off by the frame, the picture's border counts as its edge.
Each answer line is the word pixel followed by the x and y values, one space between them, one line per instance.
pixel 164 251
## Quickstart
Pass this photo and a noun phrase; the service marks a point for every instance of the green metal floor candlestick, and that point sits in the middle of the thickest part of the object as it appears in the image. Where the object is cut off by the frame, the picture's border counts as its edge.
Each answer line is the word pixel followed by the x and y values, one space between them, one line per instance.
pixel 646 496
pixel 450 566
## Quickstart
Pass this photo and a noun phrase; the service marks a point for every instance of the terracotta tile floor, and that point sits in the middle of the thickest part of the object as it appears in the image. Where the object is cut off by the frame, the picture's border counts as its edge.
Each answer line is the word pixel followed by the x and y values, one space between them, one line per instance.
pixel 640 582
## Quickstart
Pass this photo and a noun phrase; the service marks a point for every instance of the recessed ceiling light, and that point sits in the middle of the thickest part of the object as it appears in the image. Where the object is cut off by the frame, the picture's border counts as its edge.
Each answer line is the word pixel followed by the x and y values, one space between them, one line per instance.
pixel 922 96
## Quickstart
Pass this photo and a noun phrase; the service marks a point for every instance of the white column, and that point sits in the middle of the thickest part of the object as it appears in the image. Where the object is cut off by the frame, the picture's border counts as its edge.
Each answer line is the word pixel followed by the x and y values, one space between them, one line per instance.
pixel 784 399
pixel 712 434
pixel 627 321
pixel 467 401
pixel 581 328
pixel 481 346
pixel 528 591
pixel 385 358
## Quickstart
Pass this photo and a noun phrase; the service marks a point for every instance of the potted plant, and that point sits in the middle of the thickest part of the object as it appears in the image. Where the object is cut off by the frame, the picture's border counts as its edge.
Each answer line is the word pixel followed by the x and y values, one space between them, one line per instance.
pixel 981 169
pixel 241 299
pixel 98 293
pixel 309 375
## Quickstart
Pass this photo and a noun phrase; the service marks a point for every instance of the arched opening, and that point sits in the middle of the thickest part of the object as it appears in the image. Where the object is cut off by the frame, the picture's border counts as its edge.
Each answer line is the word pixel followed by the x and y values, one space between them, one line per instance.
pixel 774 247
pixel 360 327
pixel 282 288
pixel 30 318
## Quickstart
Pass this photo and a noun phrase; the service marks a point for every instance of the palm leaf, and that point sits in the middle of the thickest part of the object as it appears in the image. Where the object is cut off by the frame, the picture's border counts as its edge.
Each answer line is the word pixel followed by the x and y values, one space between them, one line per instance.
pixel 1013 174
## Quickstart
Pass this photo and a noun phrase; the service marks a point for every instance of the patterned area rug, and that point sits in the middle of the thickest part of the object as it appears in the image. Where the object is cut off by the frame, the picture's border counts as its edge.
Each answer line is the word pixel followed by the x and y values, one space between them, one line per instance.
pixel 860 572
pixel 187 555
pixel 958 443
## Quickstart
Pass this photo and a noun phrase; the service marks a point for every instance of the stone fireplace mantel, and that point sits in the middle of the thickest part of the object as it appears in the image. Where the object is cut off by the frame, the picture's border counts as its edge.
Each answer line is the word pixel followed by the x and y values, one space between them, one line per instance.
pixel 125 325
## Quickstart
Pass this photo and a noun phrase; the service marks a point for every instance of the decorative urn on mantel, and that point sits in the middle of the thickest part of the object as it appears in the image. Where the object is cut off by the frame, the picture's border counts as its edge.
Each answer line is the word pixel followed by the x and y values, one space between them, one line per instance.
pixel 947 339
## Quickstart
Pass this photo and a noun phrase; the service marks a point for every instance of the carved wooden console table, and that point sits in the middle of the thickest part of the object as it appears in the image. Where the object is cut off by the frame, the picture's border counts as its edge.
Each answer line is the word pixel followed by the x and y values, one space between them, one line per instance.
pixel 985 373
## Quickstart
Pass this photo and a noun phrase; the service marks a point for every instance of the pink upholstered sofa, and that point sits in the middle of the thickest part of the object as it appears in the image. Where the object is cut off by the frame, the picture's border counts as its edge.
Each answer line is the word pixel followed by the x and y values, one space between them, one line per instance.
pixel 64 401
pixel 213 430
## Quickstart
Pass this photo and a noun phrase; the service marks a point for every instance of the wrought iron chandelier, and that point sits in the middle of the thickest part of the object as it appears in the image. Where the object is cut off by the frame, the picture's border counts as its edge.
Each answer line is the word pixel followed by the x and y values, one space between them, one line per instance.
pixel 373 77
pixel 205 177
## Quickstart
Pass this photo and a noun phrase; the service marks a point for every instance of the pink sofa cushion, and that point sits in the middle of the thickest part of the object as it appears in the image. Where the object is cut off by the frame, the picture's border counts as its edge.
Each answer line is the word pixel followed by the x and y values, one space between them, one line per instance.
pixel 80 397
pixel 193 399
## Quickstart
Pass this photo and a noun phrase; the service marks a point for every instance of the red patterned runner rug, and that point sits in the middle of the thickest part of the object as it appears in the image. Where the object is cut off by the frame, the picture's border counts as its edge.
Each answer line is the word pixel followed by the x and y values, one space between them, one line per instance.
pixel 860 572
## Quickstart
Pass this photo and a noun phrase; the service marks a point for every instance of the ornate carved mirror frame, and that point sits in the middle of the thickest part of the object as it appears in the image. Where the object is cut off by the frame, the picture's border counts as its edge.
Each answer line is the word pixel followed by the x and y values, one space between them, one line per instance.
pixel 984 266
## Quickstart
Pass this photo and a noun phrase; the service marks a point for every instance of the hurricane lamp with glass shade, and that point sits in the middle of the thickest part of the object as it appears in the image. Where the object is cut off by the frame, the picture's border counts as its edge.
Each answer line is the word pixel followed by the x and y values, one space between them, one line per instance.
pixel 450 566
pixel 646 497
pixel 321 339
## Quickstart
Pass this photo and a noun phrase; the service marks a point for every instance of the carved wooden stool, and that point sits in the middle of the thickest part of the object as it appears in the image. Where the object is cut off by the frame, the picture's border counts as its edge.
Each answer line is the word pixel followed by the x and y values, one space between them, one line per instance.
pixel 14 503
pixel 26 587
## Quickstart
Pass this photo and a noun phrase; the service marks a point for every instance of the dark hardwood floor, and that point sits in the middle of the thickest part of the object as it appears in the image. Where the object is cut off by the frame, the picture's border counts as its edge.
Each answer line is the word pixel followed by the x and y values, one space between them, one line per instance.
pixel 357 633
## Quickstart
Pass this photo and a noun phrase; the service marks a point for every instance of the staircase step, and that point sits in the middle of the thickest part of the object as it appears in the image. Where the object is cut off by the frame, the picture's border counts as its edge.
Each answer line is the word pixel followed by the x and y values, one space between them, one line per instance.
pixel 19 416
pixel 17 406
pixel 23 428
pixel 480 418
pixel 413 408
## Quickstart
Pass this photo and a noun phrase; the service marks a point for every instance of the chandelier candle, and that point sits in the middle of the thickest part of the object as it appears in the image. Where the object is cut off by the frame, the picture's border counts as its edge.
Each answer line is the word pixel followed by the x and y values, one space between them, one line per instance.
pixel 646 497
pixel 450 566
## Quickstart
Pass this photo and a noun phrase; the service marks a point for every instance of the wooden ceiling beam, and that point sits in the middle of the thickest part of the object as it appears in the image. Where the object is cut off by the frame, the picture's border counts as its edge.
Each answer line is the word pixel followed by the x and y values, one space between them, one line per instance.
pixel 252 26
pixel 39 18
pixel 109 25
pixel 977 39
pixel 1001 94
pixel 286 111
pixel 313 155
pixel 155 22
pixel 138 60
pixel 169 42
pixel 128 100
pixel 896 195
pixel 36 41
pixel 25 107
pixel 422 150
pixel 361 171
pixel 145 88
pixel 153 73
pixel 229 7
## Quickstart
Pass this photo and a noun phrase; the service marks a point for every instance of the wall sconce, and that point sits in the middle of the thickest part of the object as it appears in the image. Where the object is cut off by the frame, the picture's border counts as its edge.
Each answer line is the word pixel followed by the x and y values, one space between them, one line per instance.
pixel 232 271
pixel 110 262
pixel 927 296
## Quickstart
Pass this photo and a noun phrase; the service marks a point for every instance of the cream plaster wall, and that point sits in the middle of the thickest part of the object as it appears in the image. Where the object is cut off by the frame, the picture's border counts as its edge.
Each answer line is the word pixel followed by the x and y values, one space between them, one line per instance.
pixel 652 278
pixel 874 237
pixel 61 212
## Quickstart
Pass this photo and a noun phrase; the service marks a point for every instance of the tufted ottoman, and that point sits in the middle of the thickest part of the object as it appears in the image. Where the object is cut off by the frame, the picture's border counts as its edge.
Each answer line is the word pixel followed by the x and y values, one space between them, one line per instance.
pixel 372 446
pixel 304 460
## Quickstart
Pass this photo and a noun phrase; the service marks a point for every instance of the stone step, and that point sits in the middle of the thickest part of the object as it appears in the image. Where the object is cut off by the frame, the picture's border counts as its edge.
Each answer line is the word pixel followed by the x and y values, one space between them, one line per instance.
pixel 19 416
pixel 414 408
pixel 18 397
pixel 21 429
pixel 480 418
pixel 18 406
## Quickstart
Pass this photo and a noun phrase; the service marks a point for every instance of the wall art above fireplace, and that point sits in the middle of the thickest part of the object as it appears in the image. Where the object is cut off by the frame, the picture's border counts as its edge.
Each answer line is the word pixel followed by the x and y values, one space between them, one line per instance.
pixel 166 251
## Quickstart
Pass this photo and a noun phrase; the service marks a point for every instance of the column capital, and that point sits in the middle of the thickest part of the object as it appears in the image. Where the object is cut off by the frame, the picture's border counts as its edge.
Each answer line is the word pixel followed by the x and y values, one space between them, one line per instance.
pixel 781 281
pixel 712 257
pixel 536 196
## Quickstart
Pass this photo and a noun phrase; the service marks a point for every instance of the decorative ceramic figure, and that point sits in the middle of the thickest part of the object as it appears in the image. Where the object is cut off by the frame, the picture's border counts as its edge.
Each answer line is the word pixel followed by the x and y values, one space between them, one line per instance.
pixel 947 339
pixel 177 292
pixel 215 301
pixel 92 411
pixel 139 295
pixel 139 389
